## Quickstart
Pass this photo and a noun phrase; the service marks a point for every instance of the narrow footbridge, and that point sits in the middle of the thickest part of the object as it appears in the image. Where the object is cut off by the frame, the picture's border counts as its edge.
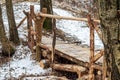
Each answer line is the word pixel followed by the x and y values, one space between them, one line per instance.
pixel 49 49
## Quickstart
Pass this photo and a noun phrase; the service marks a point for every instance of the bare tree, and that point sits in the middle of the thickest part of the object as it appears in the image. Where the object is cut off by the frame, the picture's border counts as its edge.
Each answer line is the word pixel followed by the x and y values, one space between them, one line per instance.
pixel 7 47
pixel 12 25
pixel 47 4
pixel 110 23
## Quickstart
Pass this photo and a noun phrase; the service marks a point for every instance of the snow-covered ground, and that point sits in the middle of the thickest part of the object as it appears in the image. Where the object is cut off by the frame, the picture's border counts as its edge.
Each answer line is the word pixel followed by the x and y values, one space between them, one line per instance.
pixel 21 62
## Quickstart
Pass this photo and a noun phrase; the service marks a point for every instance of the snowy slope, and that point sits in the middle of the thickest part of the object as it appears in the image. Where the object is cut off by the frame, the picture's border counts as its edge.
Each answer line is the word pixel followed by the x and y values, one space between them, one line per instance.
pixel 78 29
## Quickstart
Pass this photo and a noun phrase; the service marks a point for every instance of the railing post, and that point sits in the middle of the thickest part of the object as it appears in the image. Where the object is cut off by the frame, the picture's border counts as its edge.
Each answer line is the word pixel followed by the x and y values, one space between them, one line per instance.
pixel 38 28
pixel 54 39
pixel 91 69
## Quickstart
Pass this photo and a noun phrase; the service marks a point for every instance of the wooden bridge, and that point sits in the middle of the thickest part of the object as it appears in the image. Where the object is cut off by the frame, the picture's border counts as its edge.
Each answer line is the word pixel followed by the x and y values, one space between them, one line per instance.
pixel 48 49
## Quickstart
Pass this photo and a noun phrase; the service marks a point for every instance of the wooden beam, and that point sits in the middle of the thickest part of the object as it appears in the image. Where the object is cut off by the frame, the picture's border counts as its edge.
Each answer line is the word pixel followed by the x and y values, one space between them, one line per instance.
pixel 54 38
pixel 98 55
pixel 66 18
pixel 91 69
pixel 21 22
pixel 70 68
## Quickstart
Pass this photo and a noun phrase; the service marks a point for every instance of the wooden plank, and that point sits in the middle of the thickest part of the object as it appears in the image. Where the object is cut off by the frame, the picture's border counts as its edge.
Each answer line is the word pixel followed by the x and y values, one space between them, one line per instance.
pixel 66 18
pixel 72 58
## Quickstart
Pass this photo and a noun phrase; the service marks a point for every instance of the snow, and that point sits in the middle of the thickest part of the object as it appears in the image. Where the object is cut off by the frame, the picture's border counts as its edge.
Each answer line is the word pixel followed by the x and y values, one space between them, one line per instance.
pixel 78 29
pixel 21 63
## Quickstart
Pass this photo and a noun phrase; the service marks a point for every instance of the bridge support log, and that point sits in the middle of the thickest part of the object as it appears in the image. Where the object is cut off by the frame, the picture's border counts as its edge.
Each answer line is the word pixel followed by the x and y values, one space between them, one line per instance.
pixel 70 68
pixel 45 63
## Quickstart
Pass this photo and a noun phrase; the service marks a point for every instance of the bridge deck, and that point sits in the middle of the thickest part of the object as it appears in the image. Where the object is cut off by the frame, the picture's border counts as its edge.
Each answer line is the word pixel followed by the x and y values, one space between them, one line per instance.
pixel 74 52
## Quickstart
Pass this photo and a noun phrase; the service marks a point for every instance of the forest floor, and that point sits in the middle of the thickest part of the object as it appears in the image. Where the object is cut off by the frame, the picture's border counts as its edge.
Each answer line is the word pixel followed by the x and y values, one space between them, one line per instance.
pixel 21 63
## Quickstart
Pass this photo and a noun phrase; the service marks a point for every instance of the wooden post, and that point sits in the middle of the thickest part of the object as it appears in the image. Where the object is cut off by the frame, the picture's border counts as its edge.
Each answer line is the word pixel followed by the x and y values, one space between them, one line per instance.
pixel 29 25
pixel 38 28
pixel 104 69
pixel 54 38
pixel 91 69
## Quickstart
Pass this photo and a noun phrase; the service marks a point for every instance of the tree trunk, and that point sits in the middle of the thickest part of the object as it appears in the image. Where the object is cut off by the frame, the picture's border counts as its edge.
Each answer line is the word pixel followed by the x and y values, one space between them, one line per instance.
pixel 7 48
pixel 12 25
pixel 47 4
pixel 110 24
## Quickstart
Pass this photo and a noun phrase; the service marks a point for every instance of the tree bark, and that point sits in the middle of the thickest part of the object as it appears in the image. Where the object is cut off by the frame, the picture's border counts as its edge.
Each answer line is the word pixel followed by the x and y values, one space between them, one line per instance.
pixel 7 48
pixel 12 25
pixel 48 21
pixel 110 23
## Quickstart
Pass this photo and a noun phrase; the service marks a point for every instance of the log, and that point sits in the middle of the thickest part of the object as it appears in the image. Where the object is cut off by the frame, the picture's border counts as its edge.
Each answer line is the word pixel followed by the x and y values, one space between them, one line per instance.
pixel 66 18
pixel 38 29
pixel 46 54
pixel 98 31
pixel 81 63
pixel 104 70
pixel 70 68
pixel 91 69
pixel 98 55
pixel 54 39
pixel 21 22
pixel 45 63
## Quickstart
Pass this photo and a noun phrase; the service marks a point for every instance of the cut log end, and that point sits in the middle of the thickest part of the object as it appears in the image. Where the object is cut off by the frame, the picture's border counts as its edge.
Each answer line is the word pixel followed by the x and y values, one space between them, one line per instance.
pixel 45 63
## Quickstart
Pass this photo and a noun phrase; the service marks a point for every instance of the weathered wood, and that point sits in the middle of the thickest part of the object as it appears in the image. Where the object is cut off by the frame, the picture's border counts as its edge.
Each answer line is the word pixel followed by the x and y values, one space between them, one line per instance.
pixel 97 29
pixel 54 38
pixel 70 68
pixel 104 69
pixel 98 55
pixel 66 18
pixel 38 28
pixel 31 41
pixel 72 59
pixel 46 54
pixel 21 22
pixel 91 69
pixel 29 24
pixel 45 63
pixel 23 77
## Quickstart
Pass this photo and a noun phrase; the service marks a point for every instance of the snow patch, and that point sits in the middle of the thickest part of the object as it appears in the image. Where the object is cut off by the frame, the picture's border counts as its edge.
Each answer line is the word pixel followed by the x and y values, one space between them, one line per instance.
pixel 21 63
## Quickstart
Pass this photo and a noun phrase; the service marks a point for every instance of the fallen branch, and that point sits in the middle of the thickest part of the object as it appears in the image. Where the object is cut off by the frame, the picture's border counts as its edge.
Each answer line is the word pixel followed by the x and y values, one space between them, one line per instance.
pixel 21 22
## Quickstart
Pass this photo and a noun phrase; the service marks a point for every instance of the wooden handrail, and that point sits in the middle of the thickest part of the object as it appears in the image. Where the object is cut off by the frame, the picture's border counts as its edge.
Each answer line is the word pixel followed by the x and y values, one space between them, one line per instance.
pixel 66 18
